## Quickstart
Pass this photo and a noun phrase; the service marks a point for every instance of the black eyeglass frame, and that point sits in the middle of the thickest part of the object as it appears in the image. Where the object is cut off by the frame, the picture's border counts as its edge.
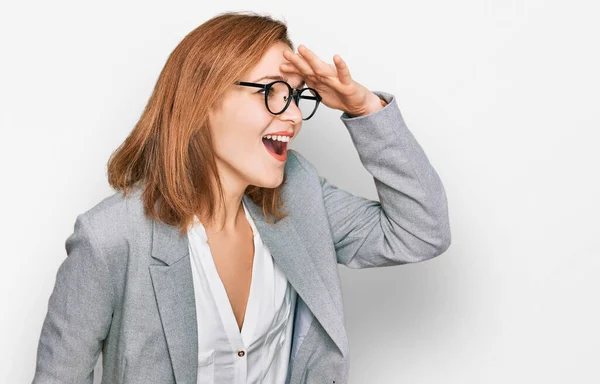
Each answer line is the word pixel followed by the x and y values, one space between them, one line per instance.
pixel 293 93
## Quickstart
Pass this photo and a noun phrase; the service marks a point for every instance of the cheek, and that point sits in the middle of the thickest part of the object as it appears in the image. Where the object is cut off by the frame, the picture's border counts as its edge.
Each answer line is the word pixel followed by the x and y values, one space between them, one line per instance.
pixel 238 129
pixel 240 136
pixel 251 123
pixel 253 110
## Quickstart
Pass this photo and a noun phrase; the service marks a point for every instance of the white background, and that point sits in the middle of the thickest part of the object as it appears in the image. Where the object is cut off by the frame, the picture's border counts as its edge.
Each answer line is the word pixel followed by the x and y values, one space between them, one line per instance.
pixel 502 95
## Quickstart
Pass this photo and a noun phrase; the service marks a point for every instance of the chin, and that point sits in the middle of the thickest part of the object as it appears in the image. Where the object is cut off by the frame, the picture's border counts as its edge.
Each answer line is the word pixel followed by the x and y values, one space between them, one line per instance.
pixel 272 182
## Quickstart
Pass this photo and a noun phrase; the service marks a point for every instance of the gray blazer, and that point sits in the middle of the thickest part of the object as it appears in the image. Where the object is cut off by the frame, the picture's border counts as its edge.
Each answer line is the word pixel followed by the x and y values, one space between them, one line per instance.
pixel 126 286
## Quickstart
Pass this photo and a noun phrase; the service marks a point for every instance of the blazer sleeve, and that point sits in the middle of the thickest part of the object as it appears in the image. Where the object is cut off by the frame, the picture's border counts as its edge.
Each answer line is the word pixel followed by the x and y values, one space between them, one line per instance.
pixel 79 312
pixel 410 222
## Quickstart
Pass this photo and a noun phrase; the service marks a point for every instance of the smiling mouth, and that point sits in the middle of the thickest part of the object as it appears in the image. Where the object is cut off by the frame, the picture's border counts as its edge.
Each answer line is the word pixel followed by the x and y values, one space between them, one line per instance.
pixel 275 146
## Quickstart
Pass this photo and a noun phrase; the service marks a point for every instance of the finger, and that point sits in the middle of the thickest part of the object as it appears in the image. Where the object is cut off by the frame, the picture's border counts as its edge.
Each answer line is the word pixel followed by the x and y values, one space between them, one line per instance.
pixel 318 66
pixel 299 63
pixel 342 69
pixel 286 67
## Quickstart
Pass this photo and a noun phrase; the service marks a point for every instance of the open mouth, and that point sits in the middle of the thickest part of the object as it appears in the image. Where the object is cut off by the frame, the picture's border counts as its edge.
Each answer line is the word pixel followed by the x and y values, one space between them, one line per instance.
pixel 275 146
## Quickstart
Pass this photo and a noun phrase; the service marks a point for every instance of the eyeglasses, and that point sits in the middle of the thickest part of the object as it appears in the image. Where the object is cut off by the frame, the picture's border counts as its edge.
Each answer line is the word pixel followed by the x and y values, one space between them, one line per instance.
pixel 278 95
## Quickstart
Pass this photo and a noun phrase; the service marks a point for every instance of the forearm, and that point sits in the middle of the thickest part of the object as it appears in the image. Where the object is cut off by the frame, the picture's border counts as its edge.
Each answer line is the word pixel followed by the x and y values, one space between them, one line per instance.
pixel 414 211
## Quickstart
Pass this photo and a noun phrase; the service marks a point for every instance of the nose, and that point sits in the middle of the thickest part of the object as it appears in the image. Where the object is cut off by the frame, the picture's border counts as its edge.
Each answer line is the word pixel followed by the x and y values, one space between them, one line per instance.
pixel 292 112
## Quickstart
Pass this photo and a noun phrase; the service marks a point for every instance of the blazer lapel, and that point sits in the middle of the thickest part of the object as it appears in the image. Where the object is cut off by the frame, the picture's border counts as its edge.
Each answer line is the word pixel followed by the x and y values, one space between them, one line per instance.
pixel 289 252
pixel 174 290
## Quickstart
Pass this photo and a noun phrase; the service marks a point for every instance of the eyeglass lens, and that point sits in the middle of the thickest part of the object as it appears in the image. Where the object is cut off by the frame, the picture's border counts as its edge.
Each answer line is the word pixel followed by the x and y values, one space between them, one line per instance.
pixel 279 93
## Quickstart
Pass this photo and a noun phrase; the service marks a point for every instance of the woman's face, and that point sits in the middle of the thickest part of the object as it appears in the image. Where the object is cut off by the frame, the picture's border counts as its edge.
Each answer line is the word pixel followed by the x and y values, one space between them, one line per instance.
pixel 238 127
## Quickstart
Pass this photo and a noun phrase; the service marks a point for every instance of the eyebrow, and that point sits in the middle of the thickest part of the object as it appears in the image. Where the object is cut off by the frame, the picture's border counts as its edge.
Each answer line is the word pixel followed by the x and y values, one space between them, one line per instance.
pixel 277 77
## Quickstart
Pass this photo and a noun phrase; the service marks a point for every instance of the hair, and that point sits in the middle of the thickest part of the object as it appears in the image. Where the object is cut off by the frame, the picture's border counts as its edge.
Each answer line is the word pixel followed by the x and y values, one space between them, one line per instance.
pixel 169 152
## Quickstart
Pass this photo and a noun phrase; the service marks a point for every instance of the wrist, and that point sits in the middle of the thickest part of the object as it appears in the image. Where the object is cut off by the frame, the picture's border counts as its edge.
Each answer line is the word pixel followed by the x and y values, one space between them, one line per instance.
pixel 374 104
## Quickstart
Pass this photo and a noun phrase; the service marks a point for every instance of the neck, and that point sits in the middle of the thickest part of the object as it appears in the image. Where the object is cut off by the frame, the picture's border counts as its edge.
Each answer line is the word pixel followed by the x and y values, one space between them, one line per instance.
pixel 229 215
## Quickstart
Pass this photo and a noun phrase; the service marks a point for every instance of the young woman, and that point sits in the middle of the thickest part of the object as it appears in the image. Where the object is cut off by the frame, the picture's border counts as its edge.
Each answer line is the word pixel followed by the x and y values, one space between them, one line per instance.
pixel 216 259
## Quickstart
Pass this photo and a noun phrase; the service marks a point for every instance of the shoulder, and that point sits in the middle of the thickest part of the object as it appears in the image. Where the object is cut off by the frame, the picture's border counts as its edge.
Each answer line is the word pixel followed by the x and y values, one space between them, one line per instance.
pixel 117 210
pixel 117 207
pixel 117 221
pixel 297 162
pixel 303 167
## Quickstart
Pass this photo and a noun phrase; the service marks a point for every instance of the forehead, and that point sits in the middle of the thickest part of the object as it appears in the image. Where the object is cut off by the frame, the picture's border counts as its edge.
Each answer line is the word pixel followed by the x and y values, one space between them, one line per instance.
pixel 270 63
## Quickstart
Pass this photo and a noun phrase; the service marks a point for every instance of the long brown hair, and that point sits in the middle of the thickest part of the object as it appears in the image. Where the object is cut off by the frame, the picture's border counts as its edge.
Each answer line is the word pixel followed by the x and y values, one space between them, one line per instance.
pixel 169 152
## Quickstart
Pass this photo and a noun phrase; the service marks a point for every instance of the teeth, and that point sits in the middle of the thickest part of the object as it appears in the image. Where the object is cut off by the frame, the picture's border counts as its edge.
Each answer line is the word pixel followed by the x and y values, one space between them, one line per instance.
pixel 284 139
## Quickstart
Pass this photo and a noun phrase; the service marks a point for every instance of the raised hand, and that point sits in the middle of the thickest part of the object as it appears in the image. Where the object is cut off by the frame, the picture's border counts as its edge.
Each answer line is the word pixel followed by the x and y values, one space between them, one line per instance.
pixel 333 82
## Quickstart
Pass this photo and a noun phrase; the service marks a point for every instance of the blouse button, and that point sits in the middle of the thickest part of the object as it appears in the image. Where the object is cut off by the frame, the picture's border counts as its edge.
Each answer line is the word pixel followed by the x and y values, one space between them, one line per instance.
pixel 241 353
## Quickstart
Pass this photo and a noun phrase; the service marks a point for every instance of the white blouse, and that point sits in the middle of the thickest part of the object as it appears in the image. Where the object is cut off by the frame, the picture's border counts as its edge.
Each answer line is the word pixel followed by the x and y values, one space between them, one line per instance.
pixel 260 352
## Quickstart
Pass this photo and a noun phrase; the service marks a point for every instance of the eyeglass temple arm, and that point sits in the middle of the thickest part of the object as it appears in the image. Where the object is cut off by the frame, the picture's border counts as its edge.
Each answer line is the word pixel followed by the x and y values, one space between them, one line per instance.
pixel 265 85
pixel 250 84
